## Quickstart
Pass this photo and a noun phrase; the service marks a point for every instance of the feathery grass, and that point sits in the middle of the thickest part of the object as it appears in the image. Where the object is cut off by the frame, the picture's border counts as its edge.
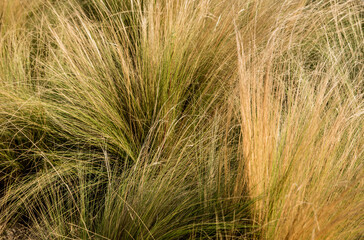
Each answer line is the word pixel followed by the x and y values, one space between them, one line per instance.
pixel 186 119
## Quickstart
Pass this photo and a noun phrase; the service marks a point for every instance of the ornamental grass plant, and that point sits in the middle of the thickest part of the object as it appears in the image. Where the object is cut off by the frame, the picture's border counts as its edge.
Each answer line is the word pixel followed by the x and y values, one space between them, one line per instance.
pixel 182 119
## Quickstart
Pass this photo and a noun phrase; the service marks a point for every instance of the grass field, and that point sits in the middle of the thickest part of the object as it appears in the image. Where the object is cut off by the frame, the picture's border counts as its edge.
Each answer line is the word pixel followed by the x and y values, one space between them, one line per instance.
pixel 182 119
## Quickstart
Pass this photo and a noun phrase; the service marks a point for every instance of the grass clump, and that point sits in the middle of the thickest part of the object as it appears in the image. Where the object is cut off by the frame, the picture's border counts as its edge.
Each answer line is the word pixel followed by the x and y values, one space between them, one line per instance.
pixel 182 119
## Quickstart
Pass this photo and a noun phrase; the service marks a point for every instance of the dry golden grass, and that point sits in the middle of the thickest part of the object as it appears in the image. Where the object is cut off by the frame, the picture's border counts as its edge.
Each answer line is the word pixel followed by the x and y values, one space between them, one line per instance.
pixel 186 119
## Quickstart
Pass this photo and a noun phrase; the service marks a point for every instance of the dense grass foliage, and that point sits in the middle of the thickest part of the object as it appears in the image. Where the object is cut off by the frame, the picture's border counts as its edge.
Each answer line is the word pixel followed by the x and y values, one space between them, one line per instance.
pixel 182 119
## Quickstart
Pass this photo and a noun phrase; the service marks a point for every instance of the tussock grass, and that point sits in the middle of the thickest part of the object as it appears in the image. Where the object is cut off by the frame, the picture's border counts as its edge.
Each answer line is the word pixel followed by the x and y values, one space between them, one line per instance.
pixel 182 119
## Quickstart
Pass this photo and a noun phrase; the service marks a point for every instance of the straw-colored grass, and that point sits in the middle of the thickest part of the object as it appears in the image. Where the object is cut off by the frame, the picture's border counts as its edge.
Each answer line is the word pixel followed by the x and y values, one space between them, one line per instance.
pixel 182 119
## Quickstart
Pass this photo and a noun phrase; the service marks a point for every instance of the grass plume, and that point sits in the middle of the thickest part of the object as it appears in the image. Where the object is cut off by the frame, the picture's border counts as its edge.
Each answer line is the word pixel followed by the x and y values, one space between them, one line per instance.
pixel 186 119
